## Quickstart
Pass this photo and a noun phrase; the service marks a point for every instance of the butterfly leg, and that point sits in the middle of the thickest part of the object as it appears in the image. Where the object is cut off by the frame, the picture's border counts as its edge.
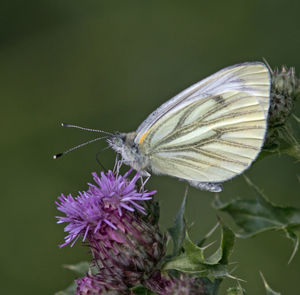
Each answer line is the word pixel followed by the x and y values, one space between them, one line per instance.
pixel 207 186
pixel 118 164
pixel 143 182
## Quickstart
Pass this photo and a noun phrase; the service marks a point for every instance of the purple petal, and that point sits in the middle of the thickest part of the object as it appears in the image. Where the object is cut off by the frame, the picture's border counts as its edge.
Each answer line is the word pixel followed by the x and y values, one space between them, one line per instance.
pixel 88 213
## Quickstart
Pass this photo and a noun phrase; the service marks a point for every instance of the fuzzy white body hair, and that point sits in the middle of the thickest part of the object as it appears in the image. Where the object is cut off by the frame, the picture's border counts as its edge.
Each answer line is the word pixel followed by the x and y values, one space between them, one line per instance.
pixel 123 144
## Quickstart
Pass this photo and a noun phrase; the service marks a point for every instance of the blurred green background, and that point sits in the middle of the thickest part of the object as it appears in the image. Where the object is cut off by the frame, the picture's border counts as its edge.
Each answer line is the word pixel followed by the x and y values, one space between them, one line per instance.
pixel 107 65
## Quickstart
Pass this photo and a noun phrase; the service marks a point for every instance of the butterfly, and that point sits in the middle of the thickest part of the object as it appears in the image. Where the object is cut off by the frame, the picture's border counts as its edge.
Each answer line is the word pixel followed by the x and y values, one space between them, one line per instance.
pixel 206 134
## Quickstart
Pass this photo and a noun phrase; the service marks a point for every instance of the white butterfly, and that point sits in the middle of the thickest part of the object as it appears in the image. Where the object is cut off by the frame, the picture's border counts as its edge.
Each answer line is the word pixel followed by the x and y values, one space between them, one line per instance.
pixel 208 133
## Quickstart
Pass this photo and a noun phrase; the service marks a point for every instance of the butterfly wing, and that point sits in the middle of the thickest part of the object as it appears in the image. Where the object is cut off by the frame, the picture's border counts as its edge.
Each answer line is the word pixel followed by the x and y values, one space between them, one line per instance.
pixel 211 131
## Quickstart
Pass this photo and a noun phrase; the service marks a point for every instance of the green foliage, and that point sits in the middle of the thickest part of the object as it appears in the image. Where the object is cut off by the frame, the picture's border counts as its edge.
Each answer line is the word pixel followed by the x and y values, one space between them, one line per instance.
pixel 190 258
pixel 259 215
pixel 177 232
pixel 211 288
pixel 238 290
pixel 269 291
pixel 227 244
pixel 193 260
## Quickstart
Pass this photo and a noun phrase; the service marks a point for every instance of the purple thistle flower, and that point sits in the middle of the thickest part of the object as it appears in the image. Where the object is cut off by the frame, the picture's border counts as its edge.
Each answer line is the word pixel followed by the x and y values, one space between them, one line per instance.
pixel 121 229
pixel 99 209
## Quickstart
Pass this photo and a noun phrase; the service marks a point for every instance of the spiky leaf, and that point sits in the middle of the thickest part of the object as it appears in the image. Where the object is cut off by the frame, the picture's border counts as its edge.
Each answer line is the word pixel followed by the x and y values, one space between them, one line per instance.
pixel 259 215
pixel 177 232
pixel 269 291
pixel 194 261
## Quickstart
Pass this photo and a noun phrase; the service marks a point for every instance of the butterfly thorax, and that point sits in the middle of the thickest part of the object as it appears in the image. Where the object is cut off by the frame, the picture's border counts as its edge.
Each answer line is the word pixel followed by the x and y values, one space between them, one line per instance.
pixel 123 143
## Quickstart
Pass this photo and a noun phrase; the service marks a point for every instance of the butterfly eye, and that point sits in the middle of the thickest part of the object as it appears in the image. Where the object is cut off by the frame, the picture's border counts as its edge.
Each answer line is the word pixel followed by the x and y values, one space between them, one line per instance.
pixel 135 148
pixel 121 136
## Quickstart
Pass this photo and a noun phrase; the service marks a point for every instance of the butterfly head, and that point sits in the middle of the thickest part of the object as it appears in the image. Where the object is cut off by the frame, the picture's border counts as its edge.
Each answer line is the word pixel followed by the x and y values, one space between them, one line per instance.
pixel 117 141
pixel 123 143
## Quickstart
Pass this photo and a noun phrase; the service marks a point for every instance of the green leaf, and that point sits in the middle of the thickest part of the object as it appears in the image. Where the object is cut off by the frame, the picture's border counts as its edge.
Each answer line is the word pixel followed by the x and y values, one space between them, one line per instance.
pixel 238 290
pixel 224 251
pixel 194 261
pixel 259 215
pixel 140 290
pixel 211 288
pixel 293 233
pixel 177 232
pixel 269 291
pixel 193 252
pixel 227 244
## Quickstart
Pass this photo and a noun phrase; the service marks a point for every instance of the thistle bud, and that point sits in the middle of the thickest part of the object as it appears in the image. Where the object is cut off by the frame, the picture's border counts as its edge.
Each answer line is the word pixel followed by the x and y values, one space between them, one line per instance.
pixel 284 90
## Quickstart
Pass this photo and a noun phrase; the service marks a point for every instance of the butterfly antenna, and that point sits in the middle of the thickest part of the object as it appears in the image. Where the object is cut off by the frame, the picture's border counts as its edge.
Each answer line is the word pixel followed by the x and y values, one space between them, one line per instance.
pixel 85 129
pixel 77 147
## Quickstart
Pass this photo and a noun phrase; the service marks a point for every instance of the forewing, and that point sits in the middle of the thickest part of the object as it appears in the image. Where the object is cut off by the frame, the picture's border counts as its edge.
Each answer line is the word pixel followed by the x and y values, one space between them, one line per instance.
pixel 252 78
pixel 212 138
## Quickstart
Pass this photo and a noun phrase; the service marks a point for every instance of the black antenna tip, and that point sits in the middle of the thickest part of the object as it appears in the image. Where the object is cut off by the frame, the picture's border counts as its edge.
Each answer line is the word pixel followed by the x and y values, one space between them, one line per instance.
pixel 57 155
